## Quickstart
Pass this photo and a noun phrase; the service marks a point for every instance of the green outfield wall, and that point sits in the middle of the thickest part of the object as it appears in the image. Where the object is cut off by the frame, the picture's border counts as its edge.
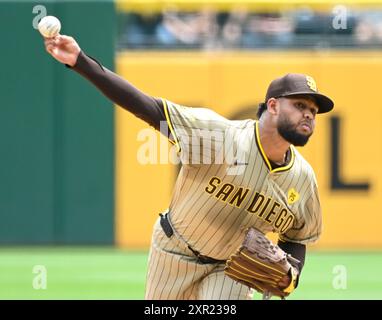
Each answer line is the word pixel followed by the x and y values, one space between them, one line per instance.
pixel 56 131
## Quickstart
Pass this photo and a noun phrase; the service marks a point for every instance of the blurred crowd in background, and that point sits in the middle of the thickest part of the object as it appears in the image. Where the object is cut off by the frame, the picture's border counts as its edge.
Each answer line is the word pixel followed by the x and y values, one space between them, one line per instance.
pixel 209 29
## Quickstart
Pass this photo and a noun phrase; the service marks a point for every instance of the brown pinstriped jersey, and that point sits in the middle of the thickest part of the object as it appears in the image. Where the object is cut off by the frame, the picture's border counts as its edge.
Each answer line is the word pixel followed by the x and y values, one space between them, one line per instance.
pixel 226 184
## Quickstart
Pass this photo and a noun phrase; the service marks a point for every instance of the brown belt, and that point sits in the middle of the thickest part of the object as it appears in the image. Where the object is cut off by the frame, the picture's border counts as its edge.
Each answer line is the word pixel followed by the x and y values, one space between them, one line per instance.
pixel 167 229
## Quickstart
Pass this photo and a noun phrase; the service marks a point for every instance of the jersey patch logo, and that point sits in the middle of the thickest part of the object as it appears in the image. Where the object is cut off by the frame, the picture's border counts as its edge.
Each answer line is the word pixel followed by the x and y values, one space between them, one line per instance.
pixel 311 83
pixel 293 196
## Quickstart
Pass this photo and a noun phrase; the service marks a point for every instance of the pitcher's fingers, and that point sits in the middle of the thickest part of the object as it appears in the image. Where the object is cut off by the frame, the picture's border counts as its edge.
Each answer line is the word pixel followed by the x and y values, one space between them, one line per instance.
pixel 62 39
pixel 48 41
pixel 49 48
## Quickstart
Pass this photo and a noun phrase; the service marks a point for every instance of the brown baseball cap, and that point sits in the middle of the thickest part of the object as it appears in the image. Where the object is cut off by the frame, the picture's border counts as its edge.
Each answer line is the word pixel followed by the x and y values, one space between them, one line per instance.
pixel 298 84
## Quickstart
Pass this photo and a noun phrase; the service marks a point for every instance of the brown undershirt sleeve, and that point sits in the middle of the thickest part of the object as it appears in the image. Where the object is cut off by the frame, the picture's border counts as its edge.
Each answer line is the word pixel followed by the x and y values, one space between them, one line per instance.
pixel 296 250
pixel 120 91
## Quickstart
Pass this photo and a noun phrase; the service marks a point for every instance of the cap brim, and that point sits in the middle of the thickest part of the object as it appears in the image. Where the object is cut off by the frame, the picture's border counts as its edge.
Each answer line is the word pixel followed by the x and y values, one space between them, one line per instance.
pixel 324 103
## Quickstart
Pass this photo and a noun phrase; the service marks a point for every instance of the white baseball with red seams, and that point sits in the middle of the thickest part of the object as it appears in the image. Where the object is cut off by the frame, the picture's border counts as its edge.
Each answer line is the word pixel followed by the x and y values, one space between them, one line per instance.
pixel 49 26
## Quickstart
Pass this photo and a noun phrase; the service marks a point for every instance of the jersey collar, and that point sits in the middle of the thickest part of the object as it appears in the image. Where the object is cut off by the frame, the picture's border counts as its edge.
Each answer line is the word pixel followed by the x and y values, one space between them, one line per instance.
pixel 266 160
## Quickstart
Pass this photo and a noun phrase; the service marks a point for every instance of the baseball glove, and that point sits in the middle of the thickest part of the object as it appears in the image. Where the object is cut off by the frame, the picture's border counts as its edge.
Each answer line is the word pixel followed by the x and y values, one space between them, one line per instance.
pixel 263 266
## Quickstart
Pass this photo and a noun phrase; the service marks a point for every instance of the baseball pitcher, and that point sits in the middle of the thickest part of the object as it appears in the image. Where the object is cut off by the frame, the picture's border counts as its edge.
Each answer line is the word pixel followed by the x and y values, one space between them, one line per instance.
pixel 239 181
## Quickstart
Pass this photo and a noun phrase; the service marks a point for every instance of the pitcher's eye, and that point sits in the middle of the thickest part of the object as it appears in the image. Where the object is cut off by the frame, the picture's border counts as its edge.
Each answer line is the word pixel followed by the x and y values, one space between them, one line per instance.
pixel 314 111
pixel 299 105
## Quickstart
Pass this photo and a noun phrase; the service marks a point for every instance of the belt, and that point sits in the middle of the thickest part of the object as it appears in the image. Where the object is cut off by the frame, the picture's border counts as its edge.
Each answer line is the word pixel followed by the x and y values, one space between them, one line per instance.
pixel 169 231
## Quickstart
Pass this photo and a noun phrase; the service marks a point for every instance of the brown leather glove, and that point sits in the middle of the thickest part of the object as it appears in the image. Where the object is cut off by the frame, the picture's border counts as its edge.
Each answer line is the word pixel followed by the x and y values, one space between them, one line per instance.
pixel 263 266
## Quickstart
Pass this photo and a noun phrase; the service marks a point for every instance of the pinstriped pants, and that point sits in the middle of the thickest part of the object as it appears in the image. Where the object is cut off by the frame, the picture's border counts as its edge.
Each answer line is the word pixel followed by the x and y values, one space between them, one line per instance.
pixel 175 274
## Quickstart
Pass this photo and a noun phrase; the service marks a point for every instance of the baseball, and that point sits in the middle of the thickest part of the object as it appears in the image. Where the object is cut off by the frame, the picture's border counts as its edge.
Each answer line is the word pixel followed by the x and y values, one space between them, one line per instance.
pixel 49 26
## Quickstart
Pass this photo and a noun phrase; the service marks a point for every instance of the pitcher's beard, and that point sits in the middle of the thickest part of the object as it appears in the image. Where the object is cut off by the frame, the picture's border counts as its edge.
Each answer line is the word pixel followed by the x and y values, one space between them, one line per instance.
pixel 288 131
